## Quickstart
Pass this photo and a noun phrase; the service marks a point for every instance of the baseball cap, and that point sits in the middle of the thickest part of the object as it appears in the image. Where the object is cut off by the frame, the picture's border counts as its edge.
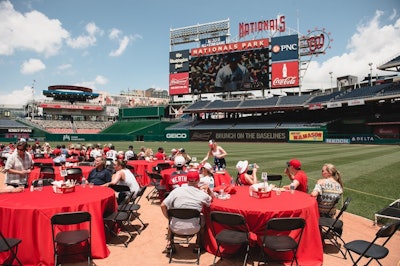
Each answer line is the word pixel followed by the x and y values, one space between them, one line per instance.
pixel 179 161
pixel 241 166
pixel 295 163
pixel 211 142
pixel 193 176
pixel 207 166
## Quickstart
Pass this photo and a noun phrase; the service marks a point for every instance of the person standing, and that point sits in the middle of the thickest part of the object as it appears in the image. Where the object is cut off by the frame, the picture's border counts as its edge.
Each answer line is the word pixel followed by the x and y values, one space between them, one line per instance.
pixel 297 176
pixel 328 189
pixel 18 166
pixel 218 153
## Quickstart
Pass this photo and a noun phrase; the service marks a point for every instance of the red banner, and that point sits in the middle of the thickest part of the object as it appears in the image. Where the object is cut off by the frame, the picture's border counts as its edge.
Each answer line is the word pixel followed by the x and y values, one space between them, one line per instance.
pixel 230 47
pixel 74 107
pixel 179 83
pixel 285 74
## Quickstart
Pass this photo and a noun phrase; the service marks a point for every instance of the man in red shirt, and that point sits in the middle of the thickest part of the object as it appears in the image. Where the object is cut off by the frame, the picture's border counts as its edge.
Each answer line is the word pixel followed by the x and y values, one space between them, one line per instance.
pixel 296 175
pixel 160 155
pixel 177 178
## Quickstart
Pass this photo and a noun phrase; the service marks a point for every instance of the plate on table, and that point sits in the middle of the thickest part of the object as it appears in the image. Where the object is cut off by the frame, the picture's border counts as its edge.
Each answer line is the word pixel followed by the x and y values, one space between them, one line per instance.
pixel 279 188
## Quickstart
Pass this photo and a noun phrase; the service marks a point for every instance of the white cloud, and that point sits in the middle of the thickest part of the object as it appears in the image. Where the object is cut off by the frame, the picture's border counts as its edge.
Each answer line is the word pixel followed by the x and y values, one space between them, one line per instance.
pixel 32 66
pixel 64 66
pixel 99 80
pixel 372 42
pixel 84 41
pixel 18 97
pixel 31 31
pixel 122 41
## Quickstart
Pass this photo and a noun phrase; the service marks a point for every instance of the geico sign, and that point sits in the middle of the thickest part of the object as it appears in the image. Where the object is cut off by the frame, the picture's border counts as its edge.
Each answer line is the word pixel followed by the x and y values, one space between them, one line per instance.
pixel 176 135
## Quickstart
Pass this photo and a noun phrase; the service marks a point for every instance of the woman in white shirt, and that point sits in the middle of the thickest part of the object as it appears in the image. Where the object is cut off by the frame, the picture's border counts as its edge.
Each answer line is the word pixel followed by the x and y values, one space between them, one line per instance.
pixel 123 176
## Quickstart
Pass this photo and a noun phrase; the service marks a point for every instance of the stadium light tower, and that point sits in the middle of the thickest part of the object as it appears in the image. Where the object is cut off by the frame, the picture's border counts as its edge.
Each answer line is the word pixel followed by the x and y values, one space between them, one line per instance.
pixel 370 74
pixel 330 73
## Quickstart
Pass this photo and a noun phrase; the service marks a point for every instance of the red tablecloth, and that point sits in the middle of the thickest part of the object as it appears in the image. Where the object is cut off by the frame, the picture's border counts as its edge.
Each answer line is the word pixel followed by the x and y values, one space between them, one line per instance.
pixel 222 177
pixel 141 166
pixel 26 215
pixel 258 211
pixel 50 161
pixel 35 173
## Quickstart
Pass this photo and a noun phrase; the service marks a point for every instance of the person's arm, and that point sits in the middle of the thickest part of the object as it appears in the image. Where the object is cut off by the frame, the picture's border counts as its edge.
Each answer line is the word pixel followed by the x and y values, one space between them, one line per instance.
pixel 164 210
pixel 252 179
pixel 115 178
pixel 11 189
pixel 207 156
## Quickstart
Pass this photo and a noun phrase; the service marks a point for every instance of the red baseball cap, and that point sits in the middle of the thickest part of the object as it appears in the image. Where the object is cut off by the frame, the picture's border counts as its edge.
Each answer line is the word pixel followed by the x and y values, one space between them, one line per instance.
pixel 193 176
pixel 295 163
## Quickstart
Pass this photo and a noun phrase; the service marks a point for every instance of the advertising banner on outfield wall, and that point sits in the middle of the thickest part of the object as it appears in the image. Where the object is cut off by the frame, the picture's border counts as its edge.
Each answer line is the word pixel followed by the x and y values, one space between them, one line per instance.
pixel 255 135
pixel 313 135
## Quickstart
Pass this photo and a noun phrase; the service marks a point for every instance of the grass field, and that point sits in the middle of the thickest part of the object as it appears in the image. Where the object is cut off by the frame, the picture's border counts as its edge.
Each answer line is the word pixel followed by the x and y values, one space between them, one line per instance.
pixel 370 172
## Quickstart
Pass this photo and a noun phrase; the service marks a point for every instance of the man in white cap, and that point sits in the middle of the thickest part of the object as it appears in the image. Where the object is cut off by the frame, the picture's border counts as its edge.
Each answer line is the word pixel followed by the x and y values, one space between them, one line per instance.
pixel 177 178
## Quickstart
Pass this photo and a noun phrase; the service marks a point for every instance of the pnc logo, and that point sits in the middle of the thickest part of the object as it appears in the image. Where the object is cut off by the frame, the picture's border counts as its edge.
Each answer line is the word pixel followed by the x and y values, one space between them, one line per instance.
pixel 284 47
pixel 176 135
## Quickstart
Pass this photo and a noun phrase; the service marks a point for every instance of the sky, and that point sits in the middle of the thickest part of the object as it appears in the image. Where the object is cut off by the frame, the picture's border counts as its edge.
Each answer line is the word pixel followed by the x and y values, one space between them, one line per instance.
pixel 121 45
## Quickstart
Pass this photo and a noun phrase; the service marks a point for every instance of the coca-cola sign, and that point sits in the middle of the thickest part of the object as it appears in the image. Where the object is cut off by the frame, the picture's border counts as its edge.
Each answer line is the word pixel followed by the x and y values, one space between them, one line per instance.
pixel 285 75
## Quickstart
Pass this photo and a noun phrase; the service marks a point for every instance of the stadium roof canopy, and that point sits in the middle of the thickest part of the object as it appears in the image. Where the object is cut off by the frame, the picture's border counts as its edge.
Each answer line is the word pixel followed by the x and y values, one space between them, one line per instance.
pixel 391 65
pixel 70 95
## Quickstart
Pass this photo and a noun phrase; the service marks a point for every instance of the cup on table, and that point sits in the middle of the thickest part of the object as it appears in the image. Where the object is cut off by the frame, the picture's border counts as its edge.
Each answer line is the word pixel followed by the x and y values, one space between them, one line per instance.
pixel 292 189
pixel 278 191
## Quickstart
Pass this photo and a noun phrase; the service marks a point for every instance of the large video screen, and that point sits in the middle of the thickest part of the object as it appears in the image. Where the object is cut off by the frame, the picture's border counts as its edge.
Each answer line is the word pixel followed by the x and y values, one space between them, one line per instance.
pixel 228 72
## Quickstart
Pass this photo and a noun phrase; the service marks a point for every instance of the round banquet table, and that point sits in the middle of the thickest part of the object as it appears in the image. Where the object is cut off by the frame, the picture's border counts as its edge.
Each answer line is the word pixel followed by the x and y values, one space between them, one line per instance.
pixel 35 173
pixel 258 211
pixel 141 166
pixel 27 215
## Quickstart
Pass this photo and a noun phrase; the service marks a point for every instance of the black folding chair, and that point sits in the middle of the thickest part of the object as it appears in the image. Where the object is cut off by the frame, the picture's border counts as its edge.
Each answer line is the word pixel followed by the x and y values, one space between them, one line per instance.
pixel 274 239
pixel 133 207
pixel 64 237
pixel 332 228
pixel 74 174
pixel 183 214
pixel 10 245
pixel 275 178
pixel 372 250
pixel 45 182
pixel 121 219
pixel 237 234
pixel 158 189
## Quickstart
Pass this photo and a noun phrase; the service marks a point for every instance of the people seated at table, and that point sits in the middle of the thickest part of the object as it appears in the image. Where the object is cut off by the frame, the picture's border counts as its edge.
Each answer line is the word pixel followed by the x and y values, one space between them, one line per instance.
pixel 177 178
pixel 244 176
pixel 123 176
pixel 328 189
pixel 218 153
pixel 112 153
pixel 206 175
pixel 130 154
pixel 96 151
pixel 160 155
pixel 18 166
pixel 189 196
pixel 142 153
pixel 298 177
pixel 149 155
pixel 99 175
pixel 185 155
pixel 173 154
